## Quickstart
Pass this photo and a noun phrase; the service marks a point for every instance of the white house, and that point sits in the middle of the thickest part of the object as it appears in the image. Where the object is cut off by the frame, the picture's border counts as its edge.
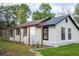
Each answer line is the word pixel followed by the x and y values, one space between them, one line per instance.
pixel 47 31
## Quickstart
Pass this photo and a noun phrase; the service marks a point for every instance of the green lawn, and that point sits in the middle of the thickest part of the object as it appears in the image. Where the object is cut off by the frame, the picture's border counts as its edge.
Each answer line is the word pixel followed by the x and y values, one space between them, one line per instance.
pixel 67 50
pixel 11 48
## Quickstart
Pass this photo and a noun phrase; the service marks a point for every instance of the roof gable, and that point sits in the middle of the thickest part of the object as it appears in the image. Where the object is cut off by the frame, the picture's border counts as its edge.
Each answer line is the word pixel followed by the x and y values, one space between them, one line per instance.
pixel 56 20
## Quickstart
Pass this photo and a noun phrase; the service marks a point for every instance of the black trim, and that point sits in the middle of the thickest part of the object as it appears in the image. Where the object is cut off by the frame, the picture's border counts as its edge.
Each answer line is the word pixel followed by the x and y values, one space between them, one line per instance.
pixel 46 33
pixel 24 31
pixel 69 34
pixel 17 31
pixel 73 22
pixel 63 33
pixel 66 20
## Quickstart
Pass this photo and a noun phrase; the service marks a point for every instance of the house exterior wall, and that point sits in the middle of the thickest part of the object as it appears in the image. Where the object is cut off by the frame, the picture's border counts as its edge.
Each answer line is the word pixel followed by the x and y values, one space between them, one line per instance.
pixel 25 38
pixel 12 38
pixel 38 35
pixel 54 34
pixel 51 36
pixel 17 37
pixel 74 33
pixel 34 35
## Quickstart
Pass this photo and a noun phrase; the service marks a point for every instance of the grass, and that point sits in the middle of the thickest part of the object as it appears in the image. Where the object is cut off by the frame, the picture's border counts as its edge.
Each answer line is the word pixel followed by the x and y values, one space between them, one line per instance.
pixel 12 48
pixel 67 50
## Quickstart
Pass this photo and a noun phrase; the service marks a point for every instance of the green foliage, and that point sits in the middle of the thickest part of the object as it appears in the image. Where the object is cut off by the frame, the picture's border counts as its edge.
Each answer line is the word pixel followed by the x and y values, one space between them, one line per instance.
pixel 38 15
pixel 13 48
pixel 77 19
pixel 77 9
pixel 45 11
pixel 24 12
pixel 45 7
pixel 77 13
pixel 2 24
pixel 12 14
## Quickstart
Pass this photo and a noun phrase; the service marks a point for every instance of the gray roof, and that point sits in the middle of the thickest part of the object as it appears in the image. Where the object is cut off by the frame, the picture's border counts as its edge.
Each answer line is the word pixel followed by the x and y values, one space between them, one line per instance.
pixel 32 23
pixel 54 21
pixel 47 21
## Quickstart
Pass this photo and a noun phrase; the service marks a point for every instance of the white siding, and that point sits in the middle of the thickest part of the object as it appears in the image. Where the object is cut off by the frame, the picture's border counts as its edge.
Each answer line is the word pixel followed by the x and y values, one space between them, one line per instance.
pixel 12 38
pixel 51 36
pixel 17 37
pixel 38 35
pixel 34 35
pixel 24 39
pixel 75 32
pixel 54 34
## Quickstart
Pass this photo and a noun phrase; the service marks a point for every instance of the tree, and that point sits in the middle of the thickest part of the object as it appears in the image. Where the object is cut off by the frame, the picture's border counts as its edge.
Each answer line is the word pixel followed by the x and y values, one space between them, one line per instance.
pixel 44 12
pixel 22 12
pixel 77 13
pixel 77 9
pixel 45 7
pixel 11 14
pixel 37 15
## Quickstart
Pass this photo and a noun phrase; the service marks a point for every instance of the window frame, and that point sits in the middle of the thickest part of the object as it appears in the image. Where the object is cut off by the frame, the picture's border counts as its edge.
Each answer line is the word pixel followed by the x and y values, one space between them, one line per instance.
pixel 63 33
pixel 24 31
pixel 69 34
pixel 17 31
pixel 47 33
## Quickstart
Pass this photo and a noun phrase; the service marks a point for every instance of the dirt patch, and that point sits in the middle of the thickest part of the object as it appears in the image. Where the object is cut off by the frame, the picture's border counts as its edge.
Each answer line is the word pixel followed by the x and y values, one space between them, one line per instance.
pixel 7 52
pixel 2 51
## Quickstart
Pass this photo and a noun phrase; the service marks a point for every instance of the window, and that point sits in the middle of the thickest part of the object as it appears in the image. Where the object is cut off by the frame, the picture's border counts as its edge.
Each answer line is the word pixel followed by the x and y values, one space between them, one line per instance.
pixel 17 31
pixel 45 33
pixel 66 20
pixel 62 33
pixel 69 33
pixel 24 32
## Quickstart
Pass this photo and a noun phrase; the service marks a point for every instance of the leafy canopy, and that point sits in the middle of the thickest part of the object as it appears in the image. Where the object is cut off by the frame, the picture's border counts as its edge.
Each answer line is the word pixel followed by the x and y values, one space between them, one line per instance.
pixel 43 12
pixel 11 14
pixel 77 13
pixel 45 7
pixel 77 9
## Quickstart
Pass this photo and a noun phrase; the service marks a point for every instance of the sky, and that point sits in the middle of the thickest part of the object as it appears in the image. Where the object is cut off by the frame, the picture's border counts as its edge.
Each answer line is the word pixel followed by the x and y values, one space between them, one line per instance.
pixel 56 7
